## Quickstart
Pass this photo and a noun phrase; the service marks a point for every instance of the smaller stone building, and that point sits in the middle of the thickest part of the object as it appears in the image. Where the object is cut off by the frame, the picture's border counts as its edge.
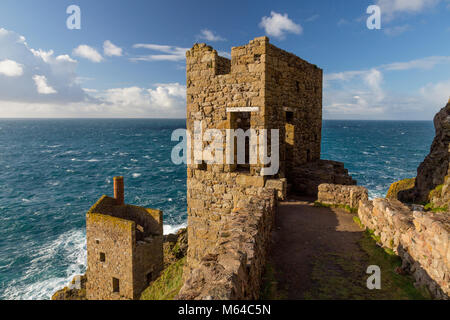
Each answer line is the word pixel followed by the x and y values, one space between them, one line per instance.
pixel 124 247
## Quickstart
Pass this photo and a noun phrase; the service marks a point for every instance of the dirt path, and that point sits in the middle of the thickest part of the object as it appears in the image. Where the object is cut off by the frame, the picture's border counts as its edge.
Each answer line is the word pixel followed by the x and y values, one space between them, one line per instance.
pixel 305 234
pixel 321 253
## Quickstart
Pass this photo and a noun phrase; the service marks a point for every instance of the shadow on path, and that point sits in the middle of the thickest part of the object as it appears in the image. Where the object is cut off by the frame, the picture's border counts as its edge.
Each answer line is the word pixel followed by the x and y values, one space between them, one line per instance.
pixel 322 254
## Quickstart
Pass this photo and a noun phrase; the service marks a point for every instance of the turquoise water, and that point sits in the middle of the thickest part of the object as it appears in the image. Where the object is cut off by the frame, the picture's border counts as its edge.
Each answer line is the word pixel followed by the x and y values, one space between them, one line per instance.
pixel 52 171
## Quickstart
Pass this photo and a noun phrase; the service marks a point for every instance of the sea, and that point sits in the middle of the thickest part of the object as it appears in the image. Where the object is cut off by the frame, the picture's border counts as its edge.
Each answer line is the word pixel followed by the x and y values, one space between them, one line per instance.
pixel 53 171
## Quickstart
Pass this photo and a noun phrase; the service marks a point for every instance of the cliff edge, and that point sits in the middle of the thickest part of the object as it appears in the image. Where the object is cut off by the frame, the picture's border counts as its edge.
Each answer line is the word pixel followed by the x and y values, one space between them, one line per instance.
pixel 433 170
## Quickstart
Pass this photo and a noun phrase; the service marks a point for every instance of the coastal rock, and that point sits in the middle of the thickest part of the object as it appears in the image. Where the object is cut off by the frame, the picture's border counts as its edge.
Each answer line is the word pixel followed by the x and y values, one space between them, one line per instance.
pixel 175 247
pixel 309 176
pixel 433 170
pixel 76 290
pixel 398 186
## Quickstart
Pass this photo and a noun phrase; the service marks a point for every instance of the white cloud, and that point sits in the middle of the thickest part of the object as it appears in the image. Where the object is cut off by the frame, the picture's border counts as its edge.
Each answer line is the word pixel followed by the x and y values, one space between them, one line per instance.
pixel 342 22
pixel 437 93
pixel 427 63
pixel 171 53
pixel 161 101
pixel 84 51
pixel 10 68
pixel 277 25
pixel 397 30
pixel 210 36
pixel 313 18
pixel 110 49
pixel 362 94
pixel 42 85
pixel 59 72
pixel 392 8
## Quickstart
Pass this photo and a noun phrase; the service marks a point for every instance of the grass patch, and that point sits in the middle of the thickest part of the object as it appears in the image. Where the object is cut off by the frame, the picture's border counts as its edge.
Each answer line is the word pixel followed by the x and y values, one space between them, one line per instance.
pixel 343 276
pixel 358 222
pixel 269 288
pixel 430 207
pixel 169 283
pixel 346 207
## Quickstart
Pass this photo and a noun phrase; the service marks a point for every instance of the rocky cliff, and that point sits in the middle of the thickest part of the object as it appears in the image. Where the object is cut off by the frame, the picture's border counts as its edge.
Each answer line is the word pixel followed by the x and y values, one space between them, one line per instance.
pixel 433 170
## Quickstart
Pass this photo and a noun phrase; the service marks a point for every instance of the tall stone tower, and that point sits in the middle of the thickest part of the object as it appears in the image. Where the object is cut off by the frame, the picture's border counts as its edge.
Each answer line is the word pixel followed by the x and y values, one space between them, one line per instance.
pixel 261 87
pixel 124 247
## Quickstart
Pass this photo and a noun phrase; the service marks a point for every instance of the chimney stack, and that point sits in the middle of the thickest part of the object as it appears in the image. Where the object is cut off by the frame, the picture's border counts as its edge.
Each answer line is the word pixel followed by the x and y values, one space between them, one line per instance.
pixel 119 190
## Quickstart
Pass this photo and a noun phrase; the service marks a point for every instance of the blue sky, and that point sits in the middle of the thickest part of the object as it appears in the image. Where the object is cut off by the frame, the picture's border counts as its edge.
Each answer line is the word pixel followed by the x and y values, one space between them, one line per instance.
pixel 128 58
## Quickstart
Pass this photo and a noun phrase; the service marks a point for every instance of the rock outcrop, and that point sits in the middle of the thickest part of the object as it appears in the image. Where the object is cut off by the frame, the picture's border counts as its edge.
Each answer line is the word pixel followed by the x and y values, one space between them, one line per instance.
pixel 75 291
pixel 175 247
pixel 398 186
pixel 309 176
pixel 433 170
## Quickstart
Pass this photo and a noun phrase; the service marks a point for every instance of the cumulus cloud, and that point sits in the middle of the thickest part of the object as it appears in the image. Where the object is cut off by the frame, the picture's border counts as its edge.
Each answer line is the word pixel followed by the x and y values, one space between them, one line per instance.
pixel 277 25
pixel 42 85
pixel 110 49
pixel 160 101
pixel 209 35
pixel 165 53
pixel 438 92
pixel 361 94
pixel 56 80
pixel 10 68
pixel 49 87
pixel 392 8
pixel 87 52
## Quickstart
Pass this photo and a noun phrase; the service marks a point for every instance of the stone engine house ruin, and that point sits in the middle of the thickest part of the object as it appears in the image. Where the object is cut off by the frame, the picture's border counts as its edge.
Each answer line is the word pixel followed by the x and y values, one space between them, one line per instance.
pixel 124 247
pixel 261 87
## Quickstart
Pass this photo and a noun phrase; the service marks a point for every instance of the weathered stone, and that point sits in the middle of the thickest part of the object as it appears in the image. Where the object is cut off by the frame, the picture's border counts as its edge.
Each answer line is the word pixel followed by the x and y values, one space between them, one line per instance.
pixel 342 195
pixel 433 170
pixel 421 239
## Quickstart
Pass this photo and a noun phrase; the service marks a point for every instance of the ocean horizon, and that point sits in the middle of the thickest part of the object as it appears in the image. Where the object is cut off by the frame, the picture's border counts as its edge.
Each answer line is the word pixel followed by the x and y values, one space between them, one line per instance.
pixel 54 170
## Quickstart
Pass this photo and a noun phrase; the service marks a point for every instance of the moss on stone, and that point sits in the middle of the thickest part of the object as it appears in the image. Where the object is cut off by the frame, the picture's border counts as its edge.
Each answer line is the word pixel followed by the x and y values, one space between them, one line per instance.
pixel 358 222
pixel 346 207
pixel 398 186
pixel 436 192
pixel 269 288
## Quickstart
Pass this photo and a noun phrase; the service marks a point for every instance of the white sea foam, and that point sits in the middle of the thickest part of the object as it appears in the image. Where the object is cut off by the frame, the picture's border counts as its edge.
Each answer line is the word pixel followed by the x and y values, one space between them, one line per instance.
pixel 169 229
pixel 71 246
pixel 136 175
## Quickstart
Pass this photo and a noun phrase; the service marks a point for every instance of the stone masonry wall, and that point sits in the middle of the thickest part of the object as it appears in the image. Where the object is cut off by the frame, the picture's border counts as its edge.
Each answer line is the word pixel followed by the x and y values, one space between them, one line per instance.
pixel 333 194
pixel 232 270
pixel 421 239
pixel 124 243
pixel 262 88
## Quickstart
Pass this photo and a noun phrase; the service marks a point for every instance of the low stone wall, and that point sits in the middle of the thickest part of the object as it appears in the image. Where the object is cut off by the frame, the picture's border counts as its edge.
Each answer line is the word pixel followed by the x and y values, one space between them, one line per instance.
pixel 421 239
pixel 233 271
pixel 342 195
